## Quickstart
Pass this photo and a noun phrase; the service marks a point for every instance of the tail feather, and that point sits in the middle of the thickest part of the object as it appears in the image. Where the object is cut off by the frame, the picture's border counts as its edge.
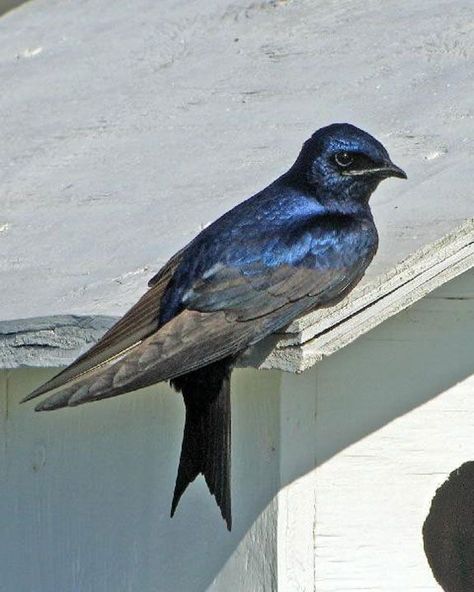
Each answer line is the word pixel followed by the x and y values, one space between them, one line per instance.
pixel 206 447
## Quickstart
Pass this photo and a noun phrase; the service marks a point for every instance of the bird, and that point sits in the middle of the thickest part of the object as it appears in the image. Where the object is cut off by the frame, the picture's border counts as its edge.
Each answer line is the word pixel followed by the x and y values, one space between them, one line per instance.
pixel 301 243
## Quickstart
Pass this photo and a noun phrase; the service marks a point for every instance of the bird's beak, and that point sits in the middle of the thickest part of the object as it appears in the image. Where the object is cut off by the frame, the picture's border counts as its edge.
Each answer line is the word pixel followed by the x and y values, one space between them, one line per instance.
pixel 384 170
pixel 392 170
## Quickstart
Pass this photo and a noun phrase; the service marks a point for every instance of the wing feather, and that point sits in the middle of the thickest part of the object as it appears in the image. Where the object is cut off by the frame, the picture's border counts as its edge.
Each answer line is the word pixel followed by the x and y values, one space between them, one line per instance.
pixel 251 296
pixel 189 341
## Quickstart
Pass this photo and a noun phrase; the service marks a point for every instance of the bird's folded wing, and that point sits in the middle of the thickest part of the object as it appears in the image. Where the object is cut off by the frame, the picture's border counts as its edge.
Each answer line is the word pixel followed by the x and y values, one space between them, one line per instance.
pixel 189 341
pixel 224 316
pixel 139 322
pixel 255 290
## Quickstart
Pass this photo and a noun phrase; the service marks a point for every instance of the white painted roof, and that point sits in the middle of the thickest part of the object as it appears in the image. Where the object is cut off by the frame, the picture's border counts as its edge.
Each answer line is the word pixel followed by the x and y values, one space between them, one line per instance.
pixel 125 127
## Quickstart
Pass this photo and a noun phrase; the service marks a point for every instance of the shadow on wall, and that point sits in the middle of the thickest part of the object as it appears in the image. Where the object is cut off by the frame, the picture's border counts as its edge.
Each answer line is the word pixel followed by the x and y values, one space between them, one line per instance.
pixel 87 491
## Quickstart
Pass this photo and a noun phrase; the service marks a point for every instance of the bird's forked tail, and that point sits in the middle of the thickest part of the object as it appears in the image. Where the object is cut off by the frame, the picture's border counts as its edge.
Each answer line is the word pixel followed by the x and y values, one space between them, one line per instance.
pixel 206 446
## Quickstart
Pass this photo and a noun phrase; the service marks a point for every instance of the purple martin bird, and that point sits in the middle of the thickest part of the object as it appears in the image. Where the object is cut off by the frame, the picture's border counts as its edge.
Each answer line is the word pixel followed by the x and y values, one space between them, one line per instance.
pixel 301 243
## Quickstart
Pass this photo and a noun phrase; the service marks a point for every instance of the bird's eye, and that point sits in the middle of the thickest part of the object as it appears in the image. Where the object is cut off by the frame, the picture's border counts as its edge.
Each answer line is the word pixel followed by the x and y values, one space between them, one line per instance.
pixel 343 159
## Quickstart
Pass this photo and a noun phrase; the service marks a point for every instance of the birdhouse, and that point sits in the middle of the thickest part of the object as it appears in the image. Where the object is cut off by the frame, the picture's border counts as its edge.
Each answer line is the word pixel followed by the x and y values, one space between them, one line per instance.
pixel 125 130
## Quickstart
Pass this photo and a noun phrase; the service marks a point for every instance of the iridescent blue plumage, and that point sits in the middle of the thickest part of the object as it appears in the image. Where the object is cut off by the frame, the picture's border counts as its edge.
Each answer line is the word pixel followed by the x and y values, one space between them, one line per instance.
pixel 312 216
pixel 301 243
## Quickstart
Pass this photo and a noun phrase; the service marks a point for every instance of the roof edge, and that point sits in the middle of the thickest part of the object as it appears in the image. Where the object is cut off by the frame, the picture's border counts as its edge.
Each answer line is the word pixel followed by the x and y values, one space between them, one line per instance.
pixel 49 341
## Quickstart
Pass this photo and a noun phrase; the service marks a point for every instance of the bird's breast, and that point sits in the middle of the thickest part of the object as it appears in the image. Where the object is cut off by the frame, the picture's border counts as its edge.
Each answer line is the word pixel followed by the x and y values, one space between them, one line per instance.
pixel 341 256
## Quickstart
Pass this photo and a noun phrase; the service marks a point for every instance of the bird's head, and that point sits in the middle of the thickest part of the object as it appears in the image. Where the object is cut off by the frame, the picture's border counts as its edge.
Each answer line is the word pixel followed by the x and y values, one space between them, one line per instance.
pixel 345 161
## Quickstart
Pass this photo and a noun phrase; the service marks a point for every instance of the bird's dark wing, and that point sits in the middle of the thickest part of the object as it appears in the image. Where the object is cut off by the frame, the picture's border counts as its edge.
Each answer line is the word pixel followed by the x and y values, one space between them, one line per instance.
pixel 250 309
pixel 255 291
pixel 139 322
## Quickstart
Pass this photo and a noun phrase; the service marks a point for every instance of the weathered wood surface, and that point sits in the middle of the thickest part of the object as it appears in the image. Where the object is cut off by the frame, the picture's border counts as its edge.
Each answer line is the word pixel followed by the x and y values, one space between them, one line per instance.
pixel 127 126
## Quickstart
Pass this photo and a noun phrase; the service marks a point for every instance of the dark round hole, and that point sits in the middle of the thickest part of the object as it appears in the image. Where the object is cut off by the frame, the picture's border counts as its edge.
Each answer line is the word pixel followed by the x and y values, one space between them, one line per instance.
pixel 448 531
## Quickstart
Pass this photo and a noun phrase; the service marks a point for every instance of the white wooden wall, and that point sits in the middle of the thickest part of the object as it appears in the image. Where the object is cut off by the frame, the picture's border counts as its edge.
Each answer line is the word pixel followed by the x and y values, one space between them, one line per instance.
pixel 85 493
